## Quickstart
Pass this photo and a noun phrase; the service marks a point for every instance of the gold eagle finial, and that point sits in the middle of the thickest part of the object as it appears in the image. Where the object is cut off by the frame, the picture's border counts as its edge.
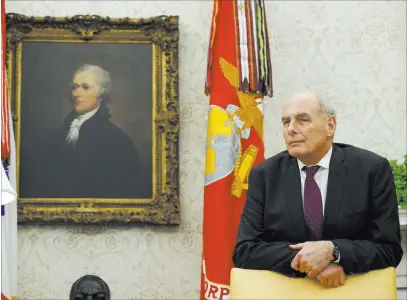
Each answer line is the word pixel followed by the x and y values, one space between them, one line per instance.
pixel 249 112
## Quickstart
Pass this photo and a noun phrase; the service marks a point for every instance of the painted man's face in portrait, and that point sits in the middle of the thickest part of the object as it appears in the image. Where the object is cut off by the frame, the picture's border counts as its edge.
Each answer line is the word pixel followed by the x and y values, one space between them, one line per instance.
pixel 85 92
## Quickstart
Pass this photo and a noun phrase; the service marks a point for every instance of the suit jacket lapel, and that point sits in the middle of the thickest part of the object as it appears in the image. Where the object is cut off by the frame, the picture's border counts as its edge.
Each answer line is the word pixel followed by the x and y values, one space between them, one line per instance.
pixel 336 182
pixel 292 190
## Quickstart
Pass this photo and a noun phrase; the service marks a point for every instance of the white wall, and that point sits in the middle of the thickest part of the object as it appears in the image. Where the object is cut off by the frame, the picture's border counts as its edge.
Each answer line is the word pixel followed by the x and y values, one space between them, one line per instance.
pixel 354 52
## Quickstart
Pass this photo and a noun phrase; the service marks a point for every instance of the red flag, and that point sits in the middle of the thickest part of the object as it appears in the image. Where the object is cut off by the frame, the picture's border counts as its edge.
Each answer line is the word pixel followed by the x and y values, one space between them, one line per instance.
pixel 239 74
pixel 5 128
pixel 3 297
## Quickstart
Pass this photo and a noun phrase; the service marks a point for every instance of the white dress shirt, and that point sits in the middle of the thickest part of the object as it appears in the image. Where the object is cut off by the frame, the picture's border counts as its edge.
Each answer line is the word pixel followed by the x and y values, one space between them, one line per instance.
pixel 321 176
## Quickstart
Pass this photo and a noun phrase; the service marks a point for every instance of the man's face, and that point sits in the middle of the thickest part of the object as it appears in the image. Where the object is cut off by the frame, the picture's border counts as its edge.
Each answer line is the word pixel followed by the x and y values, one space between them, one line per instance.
pixel 85 92
pixel 306 130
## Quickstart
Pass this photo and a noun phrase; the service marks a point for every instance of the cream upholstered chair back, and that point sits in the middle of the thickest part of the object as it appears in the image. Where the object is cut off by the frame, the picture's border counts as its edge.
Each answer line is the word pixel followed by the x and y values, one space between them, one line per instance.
pixel 255 284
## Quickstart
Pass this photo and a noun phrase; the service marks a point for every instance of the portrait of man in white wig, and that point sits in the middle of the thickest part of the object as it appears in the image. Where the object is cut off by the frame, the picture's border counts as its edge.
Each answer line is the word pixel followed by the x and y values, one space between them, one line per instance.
pixel 89 156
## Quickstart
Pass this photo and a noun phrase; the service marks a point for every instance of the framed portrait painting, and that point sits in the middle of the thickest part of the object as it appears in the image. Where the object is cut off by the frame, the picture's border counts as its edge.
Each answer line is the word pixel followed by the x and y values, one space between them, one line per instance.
pixel 95 109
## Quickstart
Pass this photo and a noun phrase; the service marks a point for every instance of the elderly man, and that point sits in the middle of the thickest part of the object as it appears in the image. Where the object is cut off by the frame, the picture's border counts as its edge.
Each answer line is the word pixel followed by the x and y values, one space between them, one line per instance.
pixel 89 156
pixel 319 209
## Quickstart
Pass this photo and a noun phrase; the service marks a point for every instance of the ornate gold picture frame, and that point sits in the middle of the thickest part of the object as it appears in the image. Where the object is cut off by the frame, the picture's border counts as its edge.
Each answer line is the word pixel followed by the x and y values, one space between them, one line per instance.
pixel 96 118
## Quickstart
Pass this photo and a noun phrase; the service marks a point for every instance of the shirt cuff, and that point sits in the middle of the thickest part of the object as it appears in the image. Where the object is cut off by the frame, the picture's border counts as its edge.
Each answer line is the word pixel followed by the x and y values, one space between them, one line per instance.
pixel 339 258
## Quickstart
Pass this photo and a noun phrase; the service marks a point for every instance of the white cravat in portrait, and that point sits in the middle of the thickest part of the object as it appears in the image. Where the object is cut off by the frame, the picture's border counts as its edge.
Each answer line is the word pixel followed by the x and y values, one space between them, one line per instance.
pixel 73 133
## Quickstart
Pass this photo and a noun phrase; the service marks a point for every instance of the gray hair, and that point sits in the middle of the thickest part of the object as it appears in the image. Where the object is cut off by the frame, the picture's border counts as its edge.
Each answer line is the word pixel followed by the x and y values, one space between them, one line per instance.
pixel 326 107
pixel 102 76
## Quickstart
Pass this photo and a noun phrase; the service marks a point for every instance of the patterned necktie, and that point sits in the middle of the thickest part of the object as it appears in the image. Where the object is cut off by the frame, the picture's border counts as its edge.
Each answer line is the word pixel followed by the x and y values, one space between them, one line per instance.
pixel 313 204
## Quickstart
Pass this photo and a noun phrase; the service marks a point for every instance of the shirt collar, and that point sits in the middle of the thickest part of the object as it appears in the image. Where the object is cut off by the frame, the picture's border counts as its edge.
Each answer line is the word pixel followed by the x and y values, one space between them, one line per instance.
pixel 323 163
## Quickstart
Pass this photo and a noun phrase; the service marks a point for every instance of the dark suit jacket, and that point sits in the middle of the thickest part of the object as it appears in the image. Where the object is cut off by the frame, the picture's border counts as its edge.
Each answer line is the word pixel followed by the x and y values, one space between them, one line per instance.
pixel 103 164
pixel 361 213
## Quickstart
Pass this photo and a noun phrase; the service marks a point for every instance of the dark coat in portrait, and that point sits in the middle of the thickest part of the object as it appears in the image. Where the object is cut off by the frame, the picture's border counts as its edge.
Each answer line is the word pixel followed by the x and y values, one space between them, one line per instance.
pixel 104 163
